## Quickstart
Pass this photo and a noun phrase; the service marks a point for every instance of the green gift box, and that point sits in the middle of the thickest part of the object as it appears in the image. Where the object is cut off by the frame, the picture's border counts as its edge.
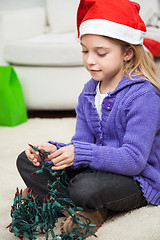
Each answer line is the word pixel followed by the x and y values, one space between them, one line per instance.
pixel 12 105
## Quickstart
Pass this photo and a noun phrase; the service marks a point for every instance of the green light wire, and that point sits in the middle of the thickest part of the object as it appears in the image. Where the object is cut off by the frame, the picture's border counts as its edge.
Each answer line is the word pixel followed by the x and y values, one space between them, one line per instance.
pixel 32 216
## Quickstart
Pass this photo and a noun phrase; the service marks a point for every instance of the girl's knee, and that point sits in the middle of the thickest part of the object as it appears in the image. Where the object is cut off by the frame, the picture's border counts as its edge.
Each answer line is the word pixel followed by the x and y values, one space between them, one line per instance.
pixel 80 192
pixel 20 156
pixel 21 160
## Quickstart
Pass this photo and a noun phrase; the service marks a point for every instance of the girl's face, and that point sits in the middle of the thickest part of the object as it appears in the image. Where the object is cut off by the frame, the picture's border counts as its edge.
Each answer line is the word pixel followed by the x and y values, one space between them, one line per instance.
pixel 103 58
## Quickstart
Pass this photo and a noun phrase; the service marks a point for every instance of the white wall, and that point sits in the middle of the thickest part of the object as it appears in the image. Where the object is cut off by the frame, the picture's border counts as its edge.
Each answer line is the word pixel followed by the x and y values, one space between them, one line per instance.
pixel 148 8
pixel 17 4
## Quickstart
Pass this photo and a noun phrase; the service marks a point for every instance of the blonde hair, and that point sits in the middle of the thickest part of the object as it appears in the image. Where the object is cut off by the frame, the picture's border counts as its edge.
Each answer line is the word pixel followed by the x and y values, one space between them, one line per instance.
pixel 142 63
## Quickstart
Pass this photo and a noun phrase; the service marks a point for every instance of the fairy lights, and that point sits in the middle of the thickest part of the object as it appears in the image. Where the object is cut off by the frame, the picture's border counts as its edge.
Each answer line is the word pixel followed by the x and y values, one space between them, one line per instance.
pixel 31 216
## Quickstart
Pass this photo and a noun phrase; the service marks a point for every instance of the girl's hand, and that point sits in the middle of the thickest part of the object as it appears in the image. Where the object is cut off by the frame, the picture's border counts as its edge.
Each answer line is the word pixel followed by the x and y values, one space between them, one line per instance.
pixel 33 155
pixel 63 157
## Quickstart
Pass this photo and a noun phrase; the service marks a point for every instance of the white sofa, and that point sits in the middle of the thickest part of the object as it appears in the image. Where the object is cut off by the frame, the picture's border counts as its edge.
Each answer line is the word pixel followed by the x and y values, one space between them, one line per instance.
pixel 42 46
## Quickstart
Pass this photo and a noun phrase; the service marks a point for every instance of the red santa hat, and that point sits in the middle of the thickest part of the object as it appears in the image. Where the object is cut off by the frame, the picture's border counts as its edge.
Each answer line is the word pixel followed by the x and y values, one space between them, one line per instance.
pixel 118 19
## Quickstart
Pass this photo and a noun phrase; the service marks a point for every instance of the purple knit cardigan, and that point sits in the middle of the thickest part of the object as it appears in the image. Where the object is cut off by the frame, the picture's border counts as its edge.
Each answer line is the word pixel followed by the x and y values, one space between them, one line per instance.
pixel 127 140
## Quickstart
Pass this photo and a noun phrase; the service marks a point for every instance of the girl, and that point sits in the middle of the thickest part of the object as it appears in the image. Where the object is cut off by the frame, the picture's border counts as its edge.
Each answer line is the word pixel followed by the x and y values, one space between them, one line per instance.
pixel 113 160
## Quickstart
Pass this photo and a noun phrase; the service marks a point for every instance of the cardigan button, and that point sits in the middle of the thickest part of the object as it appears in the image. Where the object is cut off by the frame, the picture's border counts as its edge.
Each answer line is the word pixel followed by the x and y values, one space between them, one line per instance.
pixel 108 105
pixel 100 139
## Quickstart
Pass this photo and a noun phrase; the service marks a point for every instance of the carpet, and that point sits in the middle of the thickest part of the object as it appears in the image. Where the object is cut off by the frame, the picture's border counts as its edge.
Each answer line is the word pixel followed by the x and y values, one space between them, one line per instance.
pixel 139 224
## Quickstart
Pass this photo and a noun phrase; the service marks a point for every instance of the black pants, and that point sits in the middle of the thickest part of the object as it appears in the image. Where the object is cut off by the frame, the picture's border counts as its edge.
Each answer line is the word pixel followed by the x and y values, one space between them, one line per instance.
pixel 88 188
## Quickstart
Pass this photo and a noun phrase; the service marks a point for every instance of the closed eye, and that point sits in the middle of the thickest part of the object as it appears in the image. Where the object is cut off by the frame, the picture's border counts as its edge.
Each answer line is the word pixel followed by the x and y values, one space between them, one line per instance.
pixel 84 51
pixel 102 54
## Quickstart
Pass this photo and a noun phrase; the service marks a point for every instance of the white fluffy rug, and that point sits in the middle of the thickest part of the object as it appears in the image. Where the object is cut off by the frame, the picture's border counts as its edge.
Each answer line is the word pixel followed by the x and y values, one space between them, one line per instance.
pixel 140 224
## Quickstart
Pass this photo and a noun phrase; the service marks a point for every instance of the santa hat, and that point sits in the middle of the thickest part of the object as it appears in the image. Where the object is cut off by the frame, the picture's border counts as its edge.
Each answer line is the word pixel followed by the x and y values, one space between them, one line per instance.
pixel 118 19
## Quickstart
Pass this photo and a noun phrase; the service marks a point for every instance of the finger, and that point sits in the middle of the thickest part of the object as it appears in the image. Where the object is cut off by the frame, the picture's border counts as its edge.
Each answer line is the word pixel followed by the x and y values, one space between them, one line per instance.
pixel 32 151
pixel 40 146
pixel 61 163
pixel 55 154
pixel 56 158
pixel 56 168
pixel 34 158
pixel 59 160
pixel 29 155
pixel 35 162
pixel 47 147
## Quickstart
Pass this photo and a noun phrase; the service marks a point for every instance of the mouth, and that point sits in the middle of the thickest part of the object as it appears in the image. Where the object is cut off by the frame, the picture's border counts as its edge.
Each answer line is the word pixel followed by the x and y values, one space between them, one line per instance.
pixel 94 71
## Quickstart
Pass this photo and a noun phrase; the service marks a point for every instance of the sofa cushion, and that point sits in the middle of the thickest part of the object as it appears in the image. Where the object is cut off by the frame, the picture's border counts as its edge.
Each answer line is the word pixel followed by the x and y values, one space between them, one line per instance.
pixel 62 15
pixel 45 50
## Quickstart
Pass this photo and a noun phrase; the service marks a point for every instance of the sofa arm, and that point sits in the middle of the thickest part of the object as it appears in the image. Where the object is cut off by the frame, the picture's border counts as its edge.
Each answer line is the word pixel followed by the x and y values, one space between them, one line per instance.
pixel 20 24
pixel 23 23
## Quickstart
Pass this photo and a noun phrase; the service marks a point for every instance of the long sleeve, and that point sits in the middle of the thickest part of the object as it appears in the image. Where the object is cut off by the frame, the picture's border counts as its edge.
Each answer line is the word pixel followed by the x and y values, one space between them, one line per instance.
pixel 142 119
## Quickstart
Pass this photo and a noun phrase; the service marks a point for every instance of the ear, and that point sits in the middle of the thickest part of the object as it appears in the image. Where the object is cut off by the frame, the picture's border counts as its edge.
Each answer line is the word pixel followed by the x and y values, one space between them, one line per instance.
pixel 129 54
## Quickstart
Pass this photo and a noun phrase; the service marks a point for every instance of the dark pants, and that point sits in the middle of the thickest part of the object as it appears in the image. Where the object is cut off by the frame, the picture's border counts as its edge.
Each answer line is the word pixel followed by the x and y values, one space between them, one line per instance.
pixel 88 188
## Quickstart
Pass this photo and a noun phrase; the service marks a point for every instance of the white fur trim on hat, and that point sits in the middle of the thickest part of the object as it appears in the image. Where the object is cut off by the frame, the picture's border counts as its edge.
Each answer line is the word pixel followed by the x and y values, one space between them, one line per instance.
pixel 112 29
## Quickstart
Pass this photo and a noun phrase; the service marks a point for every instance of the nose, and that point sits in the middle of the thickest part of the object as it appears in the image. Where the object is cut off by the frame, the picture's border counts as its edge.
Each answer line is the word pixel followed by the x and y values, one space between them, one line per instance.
pixel 90 59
